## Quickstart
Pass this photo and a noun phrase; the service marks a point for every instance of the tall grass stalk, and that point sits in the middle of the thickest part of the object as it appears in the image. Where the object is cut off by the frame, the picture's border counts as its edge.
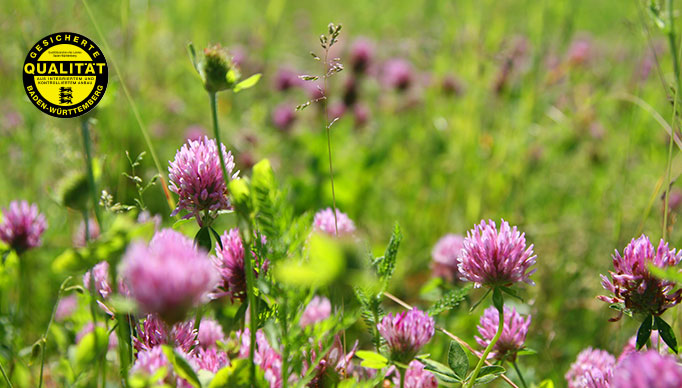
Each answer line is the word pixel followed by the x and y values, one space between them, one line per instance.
pixel 133 106
pixel 678 85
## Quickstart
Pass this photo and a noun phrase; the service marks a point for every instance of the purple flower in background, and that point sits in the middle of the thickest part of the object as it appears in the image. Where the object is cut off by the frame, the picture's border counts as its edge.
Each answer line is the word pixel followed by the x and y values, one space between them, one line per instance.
pixel 406 333
pixel 592 368
pixel 101 279
pixel 67 306
pixel 336 110
pixel 633 285
pixel 89 328
pixel 154 332
pixel 169 276
pixel 631 346
pixel 493 258
pixel 229 261
pixel 317 310
pixel 265 356
pixel 283 117
pixel 196 177
pixel 324 222
pixel 195 133
pixel 647 370
pixel 286 79
pixel 580 51
pixel 444 255
pixel 334 362
pixel 513 335
pixel 210 332
pixel 397 74
pixel 361 55
pixel 79 240
pixel 22 226
pixel 361 114
pixel 415 376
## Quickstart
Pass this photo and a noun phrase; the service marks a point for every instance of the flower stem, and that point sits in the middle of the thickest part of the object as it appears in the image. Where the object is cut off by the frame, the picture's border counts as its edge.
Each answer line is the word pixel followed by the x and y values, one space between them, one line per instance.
pixel 518 372
pixel 487 350
pixel 87 146
pixel 43 340
pixel 248 268
pixel 678 85
pixel 327 125
pixel 402 372
pixel 216 132
pixel 136 112
pixel 9 383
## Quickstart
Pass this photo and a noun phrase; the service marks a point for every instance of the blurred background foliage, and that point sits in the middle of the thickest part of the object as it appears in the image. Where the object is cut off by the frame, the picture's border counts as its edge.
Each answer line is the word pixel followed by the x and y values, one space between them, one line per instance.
pixel 538 131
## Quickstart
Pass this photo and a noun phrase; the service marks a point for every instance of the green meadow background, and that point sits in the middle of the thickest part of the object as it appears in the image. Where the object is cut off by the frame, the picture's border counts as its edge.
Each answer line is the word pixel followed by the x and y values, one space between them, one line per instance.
pixel 571 153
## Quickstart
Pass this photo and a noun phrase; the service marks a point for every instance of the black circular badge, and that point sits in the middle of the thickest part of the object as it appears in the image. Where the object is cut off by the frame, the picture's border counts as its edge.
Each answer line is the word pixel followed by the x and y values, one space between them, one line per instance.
pixel 65 74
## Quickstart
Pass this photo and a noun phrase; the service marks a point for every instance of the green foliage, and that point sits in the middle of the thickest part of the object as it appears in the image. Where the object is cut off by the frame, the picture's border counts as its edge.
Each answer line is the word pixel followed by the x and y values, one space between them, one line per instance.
pixel 450 300
pixel 372 313
pixel 644 331
pixel 325 264
pixel 666 332
pixel 372 360
pixel 90 347
pixel 458 360
pixel 181 366
pixel 386 264
pixel 108 247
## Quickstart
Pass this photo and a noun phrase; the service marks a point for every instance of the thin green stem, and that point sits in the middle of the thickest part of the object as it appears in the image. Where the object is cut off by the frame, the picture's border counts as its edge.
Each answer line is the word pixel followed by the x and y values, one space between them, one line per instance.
pixel 93 314
pixel 518 372
pixel 246 240
pixel 402 377
pixel 9 383
pixel 143 129
pixel 487 350
pixel 285 341
pixel 216 132
pixel 676 68
pixel 327 126
pixel 43 340
pixel 87 146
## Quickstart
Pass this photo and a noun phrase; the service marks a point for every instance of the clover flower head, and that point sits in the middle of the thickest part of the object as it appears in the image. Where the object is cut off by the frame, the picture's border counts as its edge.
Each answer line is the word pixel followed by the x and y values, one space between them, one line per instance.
pixel 149 361
pixel 324 222
pixel 211 359
pixel 286 79
pixel 265 356
pixel 154 332
pixel 647 370
pixel 444 254
pixel 283 117
pixel 101 279
pixel 406 333
pixel 592 368
pixel 513 335
pixel 169 275
pixel 633 285
pixel 210 332
pixel 361 55
pixel 229 261
pixel 490 257
pixel 196 177
pixel 415 376
pixel 22 226
pixel 398 74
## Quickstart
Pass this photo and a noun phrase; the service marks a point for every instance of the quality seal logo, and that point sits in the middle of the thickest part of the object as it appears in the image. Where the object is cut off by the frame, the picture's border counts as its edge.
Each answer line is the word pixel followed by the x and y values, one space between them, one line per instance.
pixel 65 74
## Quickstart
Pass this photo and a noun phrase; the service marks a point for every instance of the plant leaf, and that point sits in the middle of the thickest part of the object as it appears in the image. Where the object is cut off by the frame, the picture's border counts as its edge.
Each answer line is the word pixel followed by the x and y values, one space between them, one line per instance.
pixel 216 236
pixel 666 333
pixel 644 332
pixel 372 360
pixel 247 83
pixel 181 366
pixel 203 239
pixel 237 376
pixel 442 372
pixel 458 360
pixel 489 373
